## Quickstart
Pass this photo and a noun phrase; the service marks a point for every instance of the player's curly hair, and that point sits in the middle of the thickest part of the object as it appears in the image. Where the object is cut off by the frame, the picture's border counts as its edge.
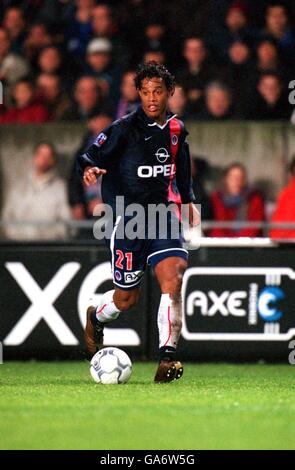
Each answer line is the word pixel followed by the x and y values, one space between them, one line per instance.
pixel 151 70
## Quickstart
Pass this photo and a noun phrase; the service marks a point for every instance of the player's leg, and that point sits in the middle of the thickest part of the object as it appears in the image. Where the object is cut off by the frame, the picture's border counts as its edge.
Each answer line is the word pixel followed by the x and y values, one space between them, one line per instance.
pixel 169 273
pixel 113 302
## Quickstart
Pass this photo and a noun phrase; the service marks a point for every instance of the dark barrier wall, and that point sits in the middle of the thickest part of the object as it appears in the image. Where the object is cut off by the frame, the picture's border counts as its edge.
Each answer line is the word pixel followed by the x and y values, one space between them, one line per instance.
pixel 238 303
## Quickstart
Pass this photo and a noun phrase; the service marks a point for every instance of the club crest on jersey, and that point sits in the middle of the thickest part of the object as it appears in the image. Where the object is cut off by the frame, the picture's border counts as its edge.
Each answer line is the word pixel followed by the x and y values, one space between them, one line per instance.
pixel 118 275
pixel 100 139
pixel 174 139
pixel 162 155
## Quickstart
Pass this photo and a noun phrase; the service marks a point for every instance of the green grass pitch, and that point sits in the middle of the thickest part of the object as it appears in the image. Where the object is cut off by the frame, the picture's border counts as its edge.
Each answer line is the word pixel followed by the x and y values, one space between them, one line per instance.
pixel 220 406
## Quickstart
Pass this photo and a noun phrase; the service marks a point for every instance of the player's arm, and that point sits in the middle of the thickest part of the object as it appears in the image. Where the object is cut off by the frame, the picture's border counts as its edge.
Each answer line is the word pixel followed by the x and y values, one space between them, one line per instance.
pixel 101 155
pixel 184 183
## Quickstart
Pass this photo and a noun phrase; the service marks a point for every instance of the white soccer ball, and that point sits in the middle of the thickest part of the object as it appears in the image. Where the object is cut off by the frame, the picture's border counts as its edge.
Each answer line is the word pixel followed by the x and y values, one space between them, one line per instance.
pixel 110 366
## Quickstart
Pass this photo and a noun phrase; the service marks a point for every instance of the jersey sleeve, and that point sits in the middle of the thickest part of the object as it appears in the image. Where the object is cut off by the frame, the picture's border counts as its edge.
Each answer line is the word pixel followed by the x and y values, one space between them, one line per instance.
pixel 183 174
pixel 104 151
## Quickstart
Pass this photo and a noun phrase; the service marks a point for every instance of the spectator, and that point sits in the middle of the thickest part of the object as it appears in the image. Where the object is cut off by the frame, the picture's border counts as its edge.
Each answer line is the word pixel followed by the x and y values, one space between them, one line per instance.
pixel 50 61
pixel 56 101
pixel 83 199
pixel 14 23
pixel 87 98
pixel 42 198
pixel 235 202
pixel 104 26
pixel 177 103
pixel 12 66
pixel 237 73
pixel 27 109
pixel 271 102
pixel 154 55
pixel 285 208
pixel 235 28
pixel 197 72
pixel 129 96
pixel 79 30
pixel 278 27
pixel 101 66
pixel 268 60
pixel 38 38
pixel 156 39
pixel 218 103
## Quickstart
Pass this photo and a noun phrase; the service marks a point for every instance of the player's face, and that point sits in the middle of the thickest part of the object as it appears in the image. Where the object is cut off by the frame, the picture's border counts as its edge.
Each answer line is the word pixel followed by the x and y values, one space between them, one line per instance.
pixel 154 97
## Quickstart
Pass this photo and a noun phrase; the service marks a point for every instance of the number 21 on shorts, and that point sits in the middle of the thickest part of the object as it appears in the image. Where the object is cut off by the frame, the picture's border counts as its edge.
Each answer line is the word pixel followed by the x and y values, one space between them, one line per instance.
pixel 120 260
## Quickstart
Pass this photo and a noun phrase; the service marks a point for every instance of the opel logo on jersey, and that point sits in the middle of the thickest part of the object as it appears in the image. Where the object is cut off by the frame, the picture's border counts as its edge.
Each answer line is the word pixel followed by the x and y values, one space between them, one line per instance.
pixel 156 170
pixel 162 155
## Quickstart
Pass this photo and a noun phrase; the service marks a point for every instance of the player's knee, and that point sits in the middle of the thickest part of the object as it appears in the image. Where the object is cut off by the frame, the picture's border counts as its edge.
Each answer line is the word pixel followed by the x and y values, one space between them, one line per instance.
pixel 126 300
pixel 173 285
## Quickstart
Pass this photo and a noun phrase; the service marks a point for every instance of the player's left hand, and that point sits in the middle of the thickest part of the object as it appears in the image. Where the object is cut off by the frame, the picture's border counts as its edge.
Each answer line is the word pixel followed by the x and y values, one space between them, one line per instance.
pixel 194 215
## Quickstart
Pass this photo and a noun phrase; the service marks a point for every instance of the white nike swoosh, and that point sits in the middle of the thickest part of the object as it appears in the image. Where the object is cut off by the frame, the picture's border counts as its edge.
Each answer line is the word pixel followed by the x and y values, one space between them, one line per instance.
pixel 147 138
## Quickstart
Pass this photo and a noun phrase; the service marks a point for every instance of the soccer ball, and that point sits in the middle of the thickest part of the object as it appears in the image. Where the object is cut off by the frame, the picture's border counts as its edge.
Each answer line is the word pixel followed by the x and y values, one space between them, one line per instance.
pixel 110 366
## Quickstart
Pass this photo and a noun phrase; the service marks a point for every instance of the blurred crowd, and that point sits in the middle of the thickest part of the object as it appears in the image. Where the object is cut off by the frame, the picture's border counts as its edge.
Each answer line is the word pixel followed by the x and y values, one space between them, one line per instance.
pixel 63 59
pixel 74 60
pixel 48 203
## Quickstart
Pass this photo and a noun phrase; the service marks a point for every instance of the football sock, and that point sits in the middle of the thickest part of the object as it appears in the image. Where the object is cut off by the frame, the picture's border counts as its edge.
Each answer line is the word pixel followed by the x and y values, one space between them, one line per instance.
pixel 169 322
pixel 167 353
pixel 107 310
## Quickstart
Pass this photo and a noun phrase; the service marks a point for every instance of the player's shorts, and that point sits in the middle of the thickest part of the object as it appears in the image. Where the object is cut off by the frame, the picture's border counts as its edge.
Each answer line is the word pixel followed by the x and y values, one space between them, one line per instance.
pixel 129 258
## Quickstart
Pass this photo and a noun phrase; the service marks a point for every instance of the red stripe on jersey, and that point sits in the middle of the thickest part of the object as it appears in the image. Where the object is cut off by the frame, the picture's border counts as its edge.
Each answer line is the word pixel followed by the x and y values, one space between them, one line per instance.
pixel 175 131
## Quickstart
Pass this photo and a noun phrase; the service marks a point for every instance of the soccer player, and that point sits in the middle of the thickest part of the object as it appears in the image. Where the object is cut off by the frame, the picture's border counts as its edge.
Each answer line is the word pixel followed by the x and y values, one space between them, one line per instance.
pixel 142 157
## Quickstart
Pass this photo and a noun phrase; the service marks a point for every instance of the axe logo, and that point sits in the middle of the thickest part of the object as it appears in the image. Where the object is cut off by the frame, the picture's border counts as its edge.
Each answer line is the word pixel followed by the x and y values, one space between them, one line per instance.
pixel 42 305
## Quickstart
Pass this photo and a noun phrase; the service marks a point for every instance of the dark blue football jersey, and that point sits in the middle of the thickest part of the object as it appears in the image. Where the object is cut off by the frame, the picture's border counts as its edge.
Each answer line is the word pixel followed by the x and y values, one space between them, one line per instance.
pixel 145 162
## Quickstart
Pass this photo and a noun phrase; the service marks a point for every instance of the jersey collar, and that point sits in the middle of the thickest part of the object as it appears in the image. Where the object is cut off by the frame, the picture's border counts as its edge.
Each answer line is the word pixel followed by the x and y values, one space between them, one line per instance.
pixel 149 121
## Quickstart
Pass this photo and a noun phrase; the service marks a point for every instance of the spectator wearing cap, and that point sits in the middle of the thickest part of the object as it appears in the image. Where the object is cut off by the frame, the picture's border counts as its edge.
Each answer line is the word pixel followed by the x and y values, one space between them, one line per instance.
pixel 197 72
pixel 129 100
pixel 100 65
pixel 87 98
pixel 285 208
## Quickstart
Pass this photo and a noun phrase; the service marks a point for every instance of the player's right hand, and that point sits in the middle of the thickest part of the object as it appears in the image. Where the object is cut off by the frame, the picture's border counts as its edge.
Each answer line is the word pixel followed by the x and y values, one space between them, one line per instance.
pixel 91 174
